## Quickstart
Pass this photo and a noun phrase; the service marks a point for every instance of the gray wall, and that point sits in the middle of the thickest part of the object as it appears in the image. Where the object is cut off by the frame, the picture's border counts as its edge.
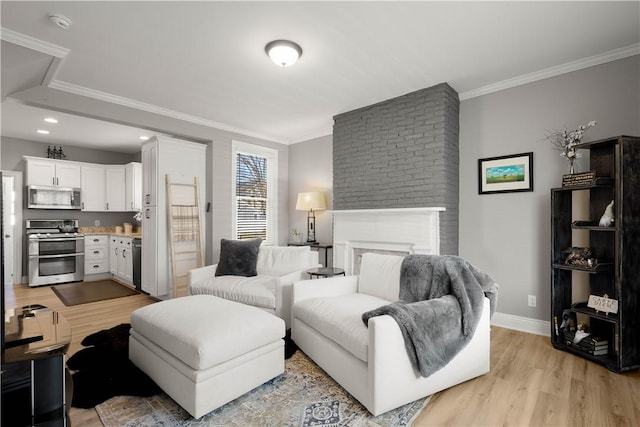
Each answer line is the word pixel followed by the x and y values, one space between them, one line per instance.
pixel 311 163
pixel 508 235
pixel 401 152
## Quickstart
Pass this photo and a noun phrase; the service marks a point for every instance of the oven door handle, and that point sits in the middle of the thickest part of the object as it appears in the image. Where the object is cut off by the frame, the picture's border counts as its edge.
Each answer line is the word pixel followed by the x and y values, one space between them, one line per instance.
pixel 57 256
pixel 58 239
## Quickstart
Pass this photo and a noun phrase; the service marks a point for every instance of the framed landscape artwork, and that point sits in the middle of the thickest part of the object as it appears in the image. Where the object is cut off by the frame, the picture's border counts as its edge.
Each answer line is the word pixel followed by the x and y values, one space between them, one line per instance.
pixel 505 174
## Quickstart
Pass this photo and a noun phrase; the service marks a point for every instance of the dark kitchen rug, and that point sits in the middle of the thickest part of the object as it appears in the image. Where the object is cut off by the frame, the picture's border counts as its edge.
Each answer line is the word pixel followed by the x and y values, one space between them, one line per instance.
pixel 85 292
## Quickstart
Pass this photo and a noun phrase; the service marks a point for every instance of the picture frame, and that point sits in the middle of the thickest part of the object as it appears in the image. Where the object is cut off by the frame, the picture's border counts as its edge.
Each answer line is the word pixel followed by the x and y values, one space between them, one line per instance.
pixel 505 174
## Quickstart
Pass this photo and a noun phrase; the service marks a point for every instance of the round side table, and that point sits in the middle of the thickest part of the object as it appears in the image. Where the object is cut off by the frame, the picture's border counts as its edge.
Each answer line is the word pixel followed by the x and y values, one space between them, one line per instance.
pixel 325 272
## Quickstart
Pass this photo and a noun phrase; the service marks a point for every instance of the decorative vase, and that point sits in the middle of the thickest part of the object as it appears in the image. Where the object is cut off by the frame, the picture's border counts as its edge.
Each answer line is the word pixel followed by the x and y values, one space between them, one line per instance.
pixel 572 168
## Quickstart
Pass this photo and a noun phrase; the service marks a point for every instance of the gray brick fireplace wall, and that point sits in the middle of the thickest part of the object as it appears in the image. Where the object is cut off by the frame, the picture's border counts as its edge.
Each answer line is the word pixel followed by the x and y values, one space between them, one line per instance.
pixel 401 153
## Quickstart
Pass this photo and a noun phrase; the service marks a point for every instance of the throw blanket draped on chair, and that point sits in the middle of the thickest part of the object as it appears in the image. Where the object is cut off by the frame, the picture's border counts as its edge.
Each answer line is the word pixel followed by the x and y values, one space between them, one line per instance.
pixel 441 301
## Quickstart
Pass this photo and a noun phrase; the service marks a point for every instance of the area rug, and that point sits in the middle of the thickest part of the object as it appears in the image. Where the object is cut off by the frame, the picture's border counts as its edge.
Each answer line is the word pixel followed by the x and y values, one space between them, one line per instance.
pixel 304 395
pixel 85 292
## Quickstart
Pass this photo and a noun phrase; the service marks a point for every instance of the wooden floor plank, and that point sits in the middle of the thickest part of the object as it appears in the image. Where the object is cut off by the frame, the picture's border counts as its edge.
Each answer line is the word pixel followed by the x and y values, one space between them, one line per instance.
pixel 530 382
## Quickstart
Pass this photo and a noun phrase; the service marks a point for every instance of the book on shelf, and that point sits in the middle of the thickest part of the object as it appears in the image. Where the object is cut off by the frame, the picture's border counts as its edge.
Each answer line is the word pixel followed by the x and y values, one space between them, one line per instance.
pixel 588 347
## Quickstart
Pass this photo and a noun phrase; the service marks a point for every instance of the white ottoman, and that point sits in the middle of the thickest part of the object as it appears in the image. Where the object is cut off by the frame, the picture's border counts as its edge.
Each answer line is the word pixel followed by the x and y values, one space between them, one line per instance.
pixel 205 351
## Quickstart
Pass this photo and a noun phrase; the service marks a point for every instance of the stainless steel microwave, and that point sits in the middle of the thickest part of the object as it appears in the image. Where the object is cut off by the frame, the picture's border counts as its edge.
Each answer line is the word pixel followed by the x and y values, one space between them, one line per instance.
pixel 51 197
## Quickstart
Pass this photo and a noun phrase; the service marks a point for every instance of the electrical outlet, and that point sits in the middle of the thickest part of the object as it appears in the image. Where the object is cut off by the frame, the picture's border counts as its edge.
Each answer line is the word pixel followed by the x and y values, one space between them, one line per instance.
pixel 97 222
pixel 532 300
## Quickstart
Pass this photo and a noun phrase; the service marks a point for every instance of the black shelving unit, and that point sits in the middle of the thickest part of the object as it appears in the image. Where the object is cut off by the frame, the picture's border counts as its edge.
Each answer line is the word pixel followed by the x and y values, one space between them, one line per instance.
pixel 616 162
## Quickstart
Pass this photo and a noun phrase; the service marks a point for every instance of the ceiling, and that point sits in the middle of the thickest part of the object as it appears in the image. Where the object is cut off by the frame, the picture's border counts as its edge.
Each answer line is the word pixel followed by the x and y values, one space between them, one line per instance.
pixel 204 62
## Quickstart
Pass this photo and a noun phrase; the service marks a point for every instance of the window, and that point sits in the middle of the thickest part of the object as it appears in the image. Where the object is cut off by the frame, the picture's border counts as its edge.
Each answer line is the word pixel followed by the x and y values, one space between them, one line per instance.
pixel 255 192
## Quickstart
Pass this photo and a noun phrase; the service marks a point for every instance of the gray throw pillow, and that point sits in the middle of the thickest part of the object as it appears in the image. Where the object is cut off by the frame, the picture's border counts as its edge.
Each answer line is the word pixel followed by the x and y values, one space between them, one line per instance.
pixel 238 257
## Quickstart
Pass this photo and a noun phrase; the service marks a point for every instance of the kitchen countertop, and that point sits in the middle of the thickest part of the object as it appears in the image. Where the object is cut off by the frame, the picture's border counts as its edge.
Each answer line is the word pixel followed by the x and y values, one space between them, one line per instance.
pixel 94 231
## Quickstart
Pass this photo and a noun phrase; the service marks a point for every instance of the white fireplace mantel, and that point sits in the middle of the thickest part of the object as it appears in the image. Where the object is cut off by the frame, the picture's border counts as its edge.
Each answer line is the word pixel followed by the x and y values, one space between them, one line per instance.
pixel 395 230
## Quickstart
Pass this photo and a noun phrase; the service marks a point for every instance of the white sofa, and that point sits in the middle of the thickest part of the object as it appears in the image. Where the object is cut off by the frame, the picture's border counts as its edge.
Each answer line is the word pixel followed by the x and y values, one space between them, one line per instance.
pixel 278 267
pixel 372 363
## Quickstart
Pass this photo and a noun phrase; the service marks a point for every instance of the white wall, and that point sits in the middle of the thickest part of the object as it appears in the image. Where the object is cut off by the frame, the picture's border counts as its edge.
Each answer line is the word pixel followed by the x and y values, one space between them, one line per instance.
pixel 508 235
pixel 311 169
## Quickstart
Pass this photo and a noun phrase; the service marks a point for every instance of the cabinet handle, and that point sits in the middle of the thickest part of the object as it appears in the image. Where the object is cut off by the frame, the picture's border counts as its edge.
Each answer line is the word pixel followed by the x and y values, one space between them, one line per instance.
pixel 147 198
pixel 57 181
pixel 107 205
pixel 96 266
pixel 96 252
pixel 124 253
pixel 96 240
pixel 116 251
pixel 131 205
pixel 82 205
pixel 146 214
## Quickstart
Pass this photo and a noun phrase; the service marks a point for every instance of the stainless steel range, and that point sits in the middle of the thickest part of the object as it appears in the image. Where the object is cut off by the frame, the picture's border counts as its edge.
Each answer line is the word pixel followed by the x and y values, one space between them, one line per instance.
pixel 56 251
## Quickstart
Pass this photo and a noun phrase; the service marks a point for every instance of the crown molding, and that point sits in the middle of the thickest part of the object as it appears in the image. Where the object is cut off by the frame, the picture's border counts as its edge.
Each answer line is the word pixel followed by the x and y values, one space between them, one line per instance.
pixel 131 103
pixel 33 43
pixel 309 137
pixel 568 67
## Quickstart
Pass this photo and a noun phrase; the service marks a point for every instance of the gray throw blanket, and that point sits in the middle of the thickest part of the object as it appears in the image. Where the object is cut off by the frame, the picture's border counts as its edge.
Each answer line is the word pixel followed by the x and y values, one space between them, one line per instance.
pixel 441 300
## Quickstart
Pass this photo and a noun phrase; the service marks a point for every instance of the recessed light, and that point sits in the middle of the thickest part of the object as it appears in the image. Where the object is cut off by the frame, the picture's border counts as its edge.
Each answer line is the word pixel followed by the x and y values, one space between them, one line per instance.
pixel 144 138
pixel 42 131
pixel 50 120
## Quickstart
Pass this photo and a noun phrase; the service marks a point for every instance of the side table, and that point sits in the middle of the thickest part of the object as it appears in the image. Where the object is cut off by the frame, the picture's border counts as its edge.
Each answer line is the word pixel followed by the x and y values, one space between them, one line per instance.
pixel 325 272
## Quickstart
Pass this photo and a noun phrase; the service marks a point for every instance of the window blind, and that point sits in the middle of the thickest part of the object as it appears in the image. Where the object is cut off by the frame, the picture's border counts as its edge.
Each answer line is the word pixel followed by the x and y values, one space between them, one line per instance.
pixel 251 196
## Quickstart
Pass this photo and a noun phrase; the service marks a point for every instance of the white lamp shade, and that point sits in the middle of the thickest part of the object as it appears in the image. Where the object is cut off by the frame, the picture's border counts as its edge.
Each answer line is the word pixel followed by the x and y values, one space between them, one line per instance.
pixel 311 201
pixel 283 52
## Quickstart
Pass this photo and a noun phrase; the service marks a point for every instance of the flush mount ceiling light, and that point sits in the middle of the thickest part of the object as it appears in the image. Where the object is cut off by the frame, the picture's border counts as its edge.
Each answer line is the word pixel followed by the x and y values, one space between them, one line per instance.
pixel 283 52
pixel 61 21
pixel 43 132
pixel 51 120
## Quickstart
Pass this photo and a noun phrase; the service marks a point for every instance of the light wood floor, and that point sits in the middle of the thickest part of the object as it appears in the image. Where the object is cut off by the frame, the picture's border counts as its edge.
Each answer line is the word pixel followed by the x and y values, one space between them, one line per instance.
pixel 530 383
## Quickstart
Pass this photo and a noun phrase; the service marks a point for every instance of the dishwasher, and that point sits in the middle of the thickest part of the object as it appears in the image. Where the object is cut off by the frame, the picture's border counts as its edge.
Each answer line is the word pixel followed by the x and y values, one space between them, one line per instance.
pixel 137 263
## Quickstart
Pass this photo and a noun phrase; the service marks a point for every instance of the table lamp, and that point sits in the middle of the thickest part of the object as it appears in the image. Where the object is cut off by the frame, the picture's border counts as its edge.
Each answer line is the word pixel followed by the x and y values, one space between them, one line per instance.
pixel 309 202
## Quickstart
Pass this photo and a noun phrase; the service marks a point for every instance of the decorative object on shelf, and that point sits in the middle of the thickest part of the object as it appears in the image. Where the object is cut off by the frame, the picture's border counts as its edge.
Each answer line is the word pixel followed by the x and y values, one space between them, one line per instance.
pixel 566 141
pixel 296 236
pixel 56 153
pixel 309 202
pixel 578 256
pixel 579 179
pixel 505 174
pixel 607 218
pixel 603 303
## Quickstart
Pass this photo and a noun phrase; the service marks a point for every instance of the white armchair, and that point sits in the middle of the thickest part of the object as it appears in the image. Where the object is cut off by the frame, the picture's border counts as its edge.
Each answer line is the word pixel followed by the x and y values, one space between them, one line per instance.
pixel 277 266
pixel 372 363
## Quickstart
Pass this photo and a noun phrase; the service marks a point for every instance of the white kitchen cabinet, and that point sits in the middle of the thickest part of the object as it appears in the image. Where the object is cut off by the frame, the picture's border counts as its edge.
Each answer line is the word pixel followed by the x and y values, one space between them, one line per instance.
pixel 113 254
pixel 115 188
pixel 125 260
pixel 93 186
pixel 96 254
pixel 59 173
pixel 183 161
pixel 121 258
pixel 149 266
pixel 133 186
pixel 149 173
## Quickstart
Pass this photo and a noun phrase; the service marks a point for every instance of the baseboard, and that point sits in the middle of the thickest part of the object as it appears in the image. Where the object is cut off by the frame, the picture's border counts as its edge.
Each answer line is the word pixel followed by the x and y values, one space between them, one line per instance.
pixel 524 324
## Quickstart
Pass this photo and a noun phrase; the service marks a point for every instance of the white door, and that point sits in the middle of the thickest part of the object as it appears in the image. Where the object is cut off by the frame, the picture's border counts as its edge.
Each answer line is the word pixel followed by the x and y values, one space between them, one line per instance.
pixel 8 225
